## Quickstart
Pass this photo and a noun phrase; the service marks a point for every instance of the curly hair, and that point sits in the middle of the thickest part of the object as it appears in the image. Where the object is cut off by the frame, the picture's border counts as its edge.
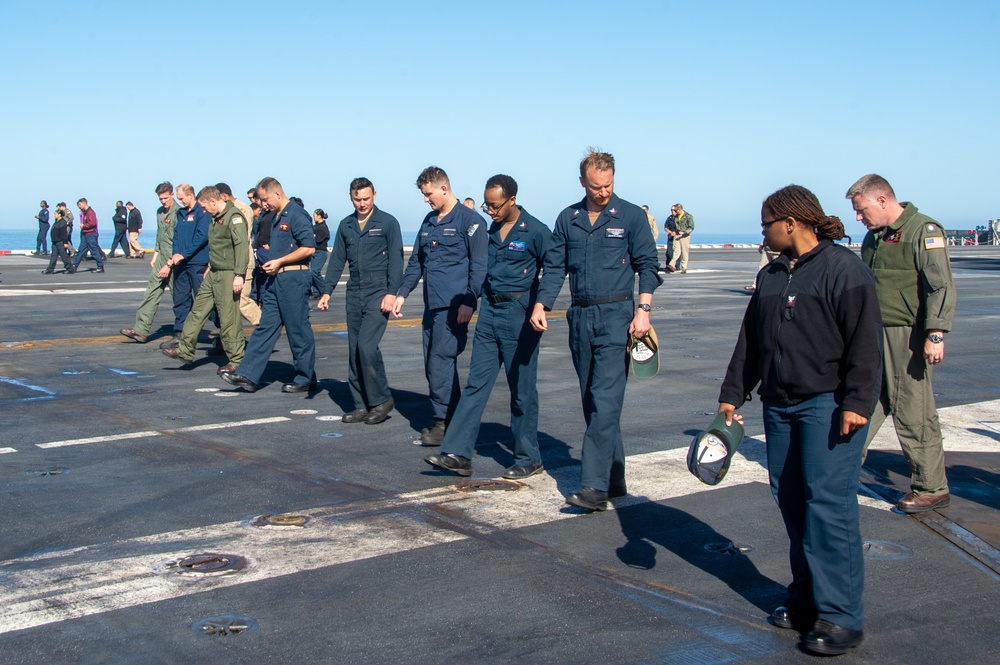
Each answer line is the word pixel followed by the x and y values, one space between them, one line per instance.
pixel 798 202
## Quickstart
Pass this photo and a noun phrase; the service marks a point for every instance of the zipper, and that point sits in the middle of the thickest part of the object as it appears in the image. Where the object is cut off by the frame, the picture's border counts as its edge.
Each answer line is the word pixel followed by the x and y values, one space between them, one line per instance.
pixel 777 333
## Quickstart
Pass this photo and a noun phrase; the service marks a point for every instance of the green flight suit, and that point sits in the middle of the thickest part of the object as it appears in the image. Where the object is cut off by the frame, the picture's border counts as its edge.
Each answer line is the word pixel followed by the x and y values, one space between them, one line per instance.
pixel 228 256
pixel 166 222
pixel 916 293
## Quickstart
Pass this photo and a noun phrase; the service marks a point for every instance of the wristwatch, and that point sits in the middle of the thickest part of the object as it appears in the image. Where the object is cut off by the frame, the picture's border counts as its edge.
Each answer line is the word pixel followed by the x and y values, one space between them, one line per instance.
pixel 644 307
pixel 936 338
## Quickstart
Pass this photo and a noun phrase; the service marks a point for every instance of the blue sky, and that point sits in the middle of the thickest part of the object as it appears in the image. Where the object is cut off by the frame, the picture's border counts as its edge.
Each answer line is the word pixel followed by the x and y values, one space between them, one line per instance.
pixel 713 104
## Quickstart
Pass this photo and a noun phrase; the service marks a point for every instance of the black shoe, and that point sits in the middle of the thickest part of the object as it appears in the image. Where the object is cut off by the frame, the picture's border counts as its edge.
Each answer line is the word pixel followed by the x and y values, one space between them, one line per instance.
pixel 48 272
pixel 355 416
pixel 171 343
pixel 617 490
pixel 380 412
pixel 101 269
pixel 589 498
pixel 433 436
pixel 520 471
pixel 830 639
pixel 298 387
pixel 454 463
pixel 791 617
pixel 70 271
pixel 234 379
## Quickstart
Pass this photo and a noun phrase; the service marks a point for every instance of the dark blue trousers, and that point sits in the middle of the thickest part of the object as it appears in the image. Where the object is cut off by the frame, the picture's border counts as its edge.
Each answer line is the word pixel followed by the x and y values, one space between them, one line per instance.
pixel 121 238
pixel 444 341
pixel 366 372
pixel 89 242
pixel 187 281
pixel 316 263
pixel 814 479
pixel 286 303
pixel 598 336
pixel 503 337
pixel 42 241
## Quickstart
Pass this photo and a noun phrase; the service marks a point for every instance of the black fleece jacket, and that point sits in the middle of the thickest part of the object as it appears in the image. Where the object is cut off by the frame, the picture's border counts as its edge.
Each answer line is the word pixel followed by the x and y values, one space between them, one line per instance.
pixel 812 329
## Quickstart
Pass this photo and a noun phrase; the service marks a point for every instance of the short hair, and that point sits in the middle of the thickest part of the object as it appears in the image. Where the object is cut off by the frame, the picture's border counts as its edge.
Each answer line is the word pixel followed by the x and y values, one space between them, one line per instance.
pixel 361 183
pixel 224 188
pixel 165 188
pixel 269 184
pixel 321 214
pixel 646 208
pixel 82 201
pixel 678 206
pixel 798 202
pixel 871 184
pixel 61 203
pixel 507 184
pixel 184 187
pixel 432 175
pixel 297 201
pixel 596 159
pixel 252 191
pixel 129 203
pixel 118 204
pixel 209 192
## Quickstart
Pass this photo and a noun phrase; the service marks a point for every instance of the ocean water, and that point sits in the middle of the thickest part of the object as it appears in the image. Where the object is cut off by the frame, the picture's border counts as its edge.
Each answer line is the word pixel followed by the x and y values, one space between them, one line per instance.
pixel 24 239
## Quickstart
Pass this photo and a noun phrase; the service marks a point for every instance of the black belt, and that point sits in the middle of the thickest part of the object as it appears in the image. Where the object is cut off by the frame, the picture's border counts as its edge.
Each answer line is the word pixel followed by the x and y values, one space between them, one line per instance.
pixel 497 298
pixel 587 302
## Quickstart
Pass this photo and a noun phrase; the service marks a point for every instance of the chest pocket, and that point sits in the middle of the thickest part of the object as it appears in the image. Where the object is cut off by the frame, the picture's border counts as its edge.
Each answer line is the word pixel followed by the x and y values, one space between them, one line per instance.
pixel 576 255
pixel 446 247
pixel 614 251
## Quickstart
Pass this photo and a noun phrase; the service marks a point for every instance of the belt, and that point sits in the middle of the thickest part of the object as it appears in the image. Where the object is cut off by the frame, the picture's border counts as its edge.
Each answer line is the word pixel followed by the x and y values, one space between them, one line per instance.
pixel 290 268
pixel 587 302
pixel 497 298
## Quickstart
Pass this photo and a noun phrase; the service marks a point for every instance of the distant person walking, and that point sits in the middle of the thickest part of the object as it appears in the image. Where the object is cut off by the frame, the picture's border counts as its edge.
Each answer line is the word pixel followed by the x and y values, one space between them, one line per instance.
pixel 88 237
pixel 134 226
pixel 652 224
pixel 60 244
pixel 120 220
pixel 321 232
pixel 684 225
pixel 41 246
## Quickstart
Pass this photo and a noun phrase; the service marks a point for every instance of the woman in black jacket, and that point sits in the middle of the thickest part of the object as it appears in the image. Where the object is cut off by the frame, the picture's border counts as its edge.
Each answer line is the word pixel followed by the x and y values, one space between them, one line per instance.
pixel 811 338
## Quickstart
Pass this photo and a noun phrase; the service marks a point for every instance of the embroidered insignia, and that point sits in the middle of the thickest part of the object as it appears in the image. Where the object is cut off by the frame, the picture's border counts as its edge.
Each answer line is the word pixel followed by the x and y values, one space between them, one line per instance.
pixel 937 242
pixel 791 301
pixel 375 232
pixel 283 226
pixel 524 225
pixel 614 212
pixel 448 233
pixel 191 218
pixel 895 236
pixel 516 246
pixel 930 227
pixel 576 213
pixel 472 229
pixel 614 233
pixel 237 219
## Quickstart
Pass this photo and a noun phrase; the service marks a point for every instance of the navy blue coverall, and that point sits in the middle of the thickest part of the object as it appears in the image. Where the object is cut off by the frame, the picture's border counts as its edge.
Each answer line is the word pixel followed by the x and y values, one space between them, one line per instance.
pixel 191 242
pixel 375 259
pixel 450 254
pixel 285 301
pixel 505 337
pixel 602 261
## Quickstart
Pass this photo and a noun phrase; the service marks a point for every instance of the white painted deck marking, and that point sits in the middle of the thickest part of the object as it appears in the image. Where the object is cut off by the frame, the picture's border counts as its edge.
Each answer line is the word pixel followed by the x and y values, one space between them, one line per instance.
pixel 159 432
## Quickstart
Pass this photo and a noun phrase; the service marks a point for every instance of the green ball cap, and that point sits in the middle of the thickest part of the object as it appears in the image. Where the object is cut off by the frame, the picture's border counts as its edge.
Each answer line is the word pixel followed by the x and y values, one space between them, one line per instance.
pixel 711 452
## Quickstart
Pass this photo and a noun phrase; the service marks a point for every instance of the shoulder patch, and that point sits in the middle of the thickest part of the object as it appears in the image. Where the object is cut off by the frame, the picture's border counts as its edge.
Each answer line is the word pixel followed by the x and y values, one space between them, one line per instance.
pixel 473 229
pixel 236 219
pixel 934 242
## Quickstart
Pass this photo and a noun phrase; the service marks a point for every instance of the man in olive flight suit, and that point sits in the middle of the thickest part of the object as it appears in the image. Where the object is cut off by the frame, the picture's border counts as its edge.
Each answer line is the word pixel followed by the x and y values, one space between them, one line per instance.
pixel 908 252
pixel 228 255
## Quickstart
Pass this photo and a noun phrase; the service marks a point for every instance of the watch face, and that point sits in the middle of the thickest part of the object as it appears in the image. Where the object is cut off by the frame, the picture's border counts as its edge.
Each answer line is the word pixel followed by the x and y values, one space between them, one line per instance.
pixel 937 339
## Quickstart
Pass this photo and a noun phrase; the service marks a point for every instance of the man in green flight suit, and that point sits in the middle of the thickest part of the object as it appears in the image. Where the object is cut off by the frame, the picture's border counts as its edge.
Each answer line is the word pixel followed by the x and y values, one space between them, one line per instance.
pixel 908 252
pixel 228 256
pixel 166 222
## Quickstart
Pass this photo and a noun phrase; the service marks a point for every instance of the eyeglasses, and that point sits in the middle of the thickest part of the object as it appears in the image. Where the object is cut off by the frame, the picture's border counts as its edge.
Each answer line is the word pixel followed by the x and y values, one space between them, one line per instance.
pixel 487 208
pixel 767 225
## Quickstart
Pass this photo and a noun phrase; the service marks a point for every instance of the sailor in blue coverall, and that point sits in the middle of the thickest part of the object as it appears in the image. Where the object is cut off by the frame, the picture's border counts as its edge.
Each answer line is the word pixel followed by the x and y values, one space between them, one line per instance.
pixel 602 243
pixel 450 255
pixel 503 336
